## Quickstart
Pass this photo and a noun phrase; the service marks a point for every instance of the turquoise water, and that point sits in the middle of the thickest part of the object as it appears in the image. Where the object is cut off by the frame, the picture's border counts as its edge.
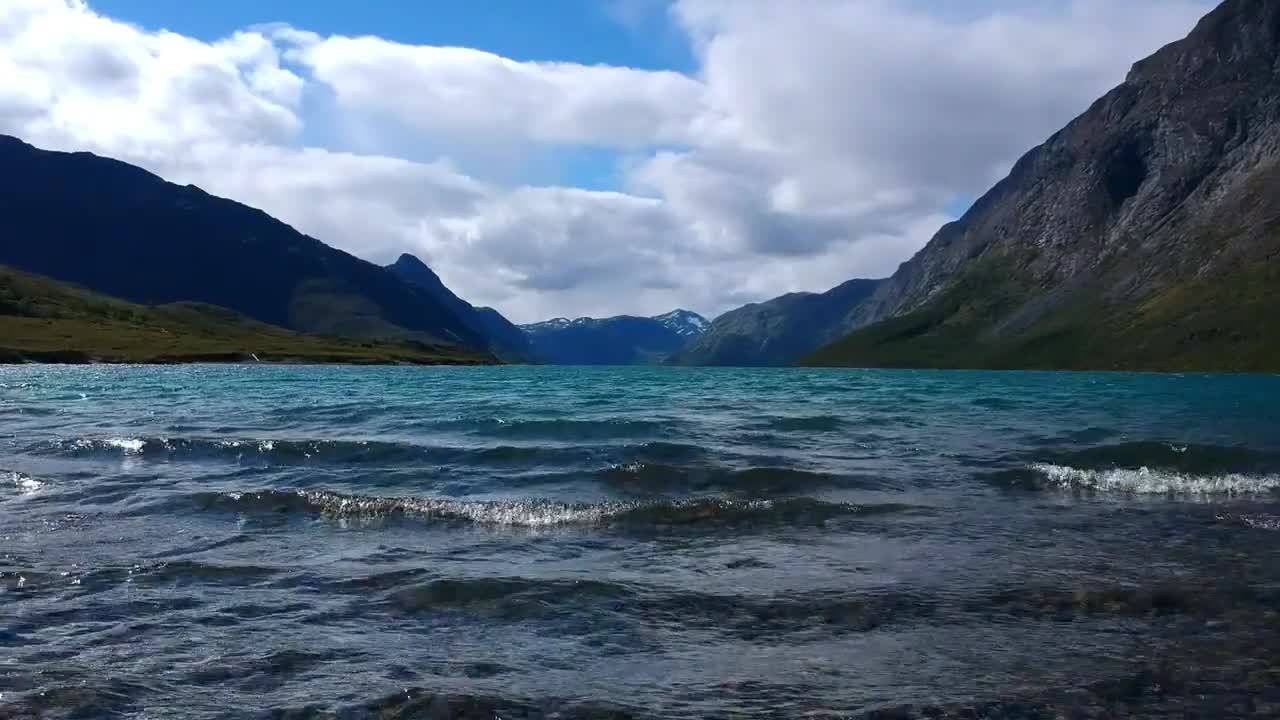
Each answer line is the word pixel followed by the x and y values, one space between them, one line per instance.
pixel 248 541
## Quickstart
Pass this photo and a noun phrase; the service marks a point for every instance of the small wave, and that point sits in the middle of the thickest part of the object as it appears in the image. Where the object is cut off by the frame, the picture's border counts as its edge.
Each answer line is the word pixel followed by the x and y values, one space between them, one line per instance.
pixel 646 477
pixel 813 423
pixel 25 484
pixel 1185 458
pixel 301 452
pixel 431 703
pixel 458 592
pixel 995 403
pixel 540 513
pixel 1154 481
pixel 761 615
pixel 575 430
pixel 1254 521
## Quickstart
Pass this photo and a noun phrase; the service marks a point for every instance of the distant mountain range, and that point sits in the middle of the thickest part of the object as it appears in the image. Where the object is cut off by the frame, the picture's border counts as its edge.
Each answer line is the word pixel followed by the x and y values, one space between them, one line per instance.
pixel 1143 235
pixel 119 230
pixel 622 340
pixel 778 331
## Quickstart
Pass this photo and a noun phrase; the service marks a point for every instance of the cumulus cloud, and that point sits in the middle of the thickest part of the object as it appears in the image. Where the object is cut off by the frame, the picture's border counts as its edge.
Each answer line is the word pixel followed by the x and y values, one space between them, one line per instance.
pixel 817 140
pixel 467 94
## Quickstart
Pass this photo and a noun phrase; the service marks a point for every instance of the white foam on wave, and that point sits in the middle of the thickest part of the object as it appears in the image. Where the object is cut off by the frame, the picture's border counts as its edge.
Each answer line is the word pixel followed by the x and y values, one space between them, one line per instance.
pixel 1261 522
pixel 519 513
pixel 130 446
pixel 1154 481
pixel 25 484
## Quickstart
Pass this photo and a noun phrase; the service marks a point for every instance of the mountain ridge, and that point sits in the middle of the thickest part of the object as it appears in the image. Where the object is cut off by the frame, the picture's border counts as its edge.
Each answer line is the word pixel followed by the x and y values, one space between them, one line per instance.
pixel 618 340
pixel 120 230
pixel 507 340
pixel 777 331
pixel 1124 240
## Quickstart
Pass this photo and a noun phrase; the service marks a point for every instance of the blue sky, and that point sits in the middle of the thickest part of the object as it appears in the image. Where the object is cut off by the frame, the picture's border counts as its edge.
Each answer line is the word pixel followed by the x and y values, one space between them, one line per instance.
pixel 629 33
pixel 634 33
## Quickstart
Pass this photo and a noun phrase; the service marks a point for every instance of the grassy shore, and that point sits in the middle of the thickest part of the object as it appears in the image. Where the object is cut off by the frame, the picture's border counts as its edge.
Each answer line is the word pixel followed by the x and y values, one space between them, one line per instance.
pixel 44 320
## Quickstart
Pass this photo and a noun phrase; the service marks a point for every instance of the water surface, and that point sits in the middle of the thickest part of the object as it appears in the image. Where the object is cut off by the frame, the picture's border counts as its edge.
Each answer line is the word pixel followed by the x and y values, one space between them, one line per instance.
pixel 308 542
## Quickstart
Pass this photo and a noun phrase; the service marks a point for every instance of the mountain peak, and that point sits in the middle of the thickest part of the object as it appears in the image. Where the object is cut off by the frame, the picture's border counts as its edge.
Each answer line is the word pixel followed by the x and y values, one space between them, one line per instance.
pixel 412 263
pixel 1236 32
pixel 684 322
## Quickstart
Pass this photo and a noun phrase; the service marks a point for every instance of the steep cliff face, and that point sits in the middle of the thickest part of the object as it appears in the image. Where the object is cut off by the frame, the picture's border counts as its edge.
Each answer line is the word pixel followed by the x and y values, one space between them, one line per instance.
pixel 1144 234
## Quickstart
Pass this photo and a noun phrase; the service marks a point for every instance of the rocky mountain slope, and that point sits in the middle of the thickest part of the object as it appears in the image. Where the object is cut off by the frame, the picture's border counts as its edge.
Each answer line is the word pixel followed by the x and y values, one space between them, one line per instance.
pixel 507 340
pixel 1144 235
pixel 122 231
pixel 779 331
pixel 622 340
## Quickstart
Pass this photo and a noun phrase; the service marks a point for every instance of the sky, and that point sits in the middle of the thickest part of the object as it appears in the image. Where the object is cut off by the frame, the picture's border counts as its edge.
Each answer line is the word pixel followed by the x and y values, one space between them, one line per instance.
pixel 581 157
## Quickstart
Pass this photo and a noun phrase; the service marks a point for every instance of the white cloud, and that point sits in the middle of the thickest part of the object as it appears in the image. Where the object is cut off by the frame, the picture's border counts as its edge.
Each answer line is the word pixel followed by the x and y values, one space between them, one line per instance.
pixel 471 95
pixel 817 141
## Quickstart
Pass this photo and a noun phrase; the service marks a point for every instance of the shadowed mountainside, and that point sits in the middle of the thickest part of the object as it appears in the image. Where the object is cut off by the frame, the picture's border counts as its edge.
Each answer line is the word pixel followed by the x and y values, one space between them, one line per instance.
pixel 119 230
pixel 505 338
pixel 778 331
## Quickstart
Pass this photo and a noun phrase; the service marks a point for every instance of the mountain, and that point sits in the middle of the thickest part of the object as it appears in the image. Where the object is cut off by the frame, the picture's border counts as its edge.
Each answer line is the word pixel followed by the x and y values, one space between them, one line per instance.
pixel 506 339
pixel 42 319
pixel 122 231
pixel 1144 235
pixel 622 340
pixel 684 323
pixel 777 332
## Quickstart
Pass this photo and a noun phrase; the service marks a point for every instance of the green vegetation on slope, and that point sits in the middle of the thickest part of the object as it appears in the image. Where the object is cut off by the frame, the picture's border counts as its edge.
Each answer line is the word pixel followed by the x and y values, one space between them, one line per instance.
pixel 1207 324
pixel 42 319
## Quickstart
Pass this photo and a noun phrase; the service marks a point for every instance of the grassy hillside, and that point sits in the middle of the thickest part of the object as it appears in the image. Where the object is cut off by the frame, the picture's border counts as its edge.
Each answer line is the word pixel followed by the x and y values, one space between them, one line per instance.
pixel 1208 324
pixel 42 319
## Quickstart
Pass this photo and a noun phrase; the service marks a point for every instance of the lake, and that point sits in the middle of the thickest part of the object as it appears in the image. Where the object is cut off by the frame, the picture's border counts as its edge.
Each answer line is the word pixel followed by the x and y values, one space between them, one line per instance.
pixel 507 542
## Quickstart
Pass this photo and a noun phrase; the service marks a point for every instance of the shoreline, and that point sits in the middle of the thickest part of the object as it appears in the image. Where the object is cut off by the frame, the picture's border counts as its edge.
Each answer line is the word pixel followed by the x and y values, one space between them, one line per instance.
pixel 80 357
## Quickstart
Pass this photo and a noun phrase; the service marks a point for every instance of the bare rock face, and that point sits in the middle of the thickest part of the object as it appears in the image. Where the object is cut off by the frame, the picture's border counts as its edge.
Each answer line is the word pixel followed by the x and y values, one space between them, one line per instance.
pixel 1132 180
pixel 1143 235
